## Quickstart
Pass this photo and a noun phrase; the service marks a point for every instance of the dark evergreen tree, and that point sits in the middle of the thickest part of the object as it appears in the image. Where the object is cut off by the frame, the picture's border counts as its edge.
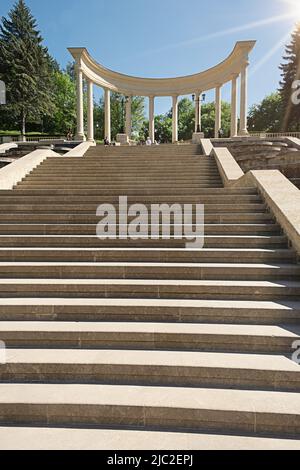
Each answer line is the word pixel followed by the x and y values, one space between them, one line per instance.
pixel 290 72
pixel 25 67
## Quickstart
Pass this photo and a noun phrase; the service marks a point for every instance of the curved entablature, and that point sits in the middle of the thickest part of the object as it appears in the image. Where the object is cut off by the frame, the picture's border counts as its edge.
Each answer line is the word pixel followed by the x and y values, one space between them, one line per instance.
pixel 129 85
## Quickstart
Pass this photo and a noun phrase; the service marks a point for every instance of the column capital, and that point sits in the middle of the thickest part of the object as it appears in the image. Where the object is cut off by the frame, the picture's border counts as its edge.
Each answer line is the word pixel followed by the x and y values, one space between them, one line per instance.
pixel 235 76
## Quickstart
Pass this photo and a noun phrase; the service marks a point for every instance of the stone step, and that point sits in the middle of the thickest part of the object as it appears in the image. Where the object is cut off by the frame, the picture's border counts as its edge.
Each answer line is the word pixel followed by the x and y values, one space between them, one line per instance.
pixel 143 271
pixel 107 181
pixel 130 162
pixel 157 336
pixel 91 229
pixel 144 152
pixel 130 170
pixel 220 255
pixel 127 169
pixel 42 438
pixel 151 368
pixel 91 208
pixel 81 218
pixel 143 156
pixel 240 312
pixel 184 172
pixel 208 410
pixel 115 181
pixel 127 190
pixel 14 198
pixel 90 192
pixel 124 179
pixel 89 241
pixel 150 288
pixel 100 171
pixel 109 184
pixel 181 154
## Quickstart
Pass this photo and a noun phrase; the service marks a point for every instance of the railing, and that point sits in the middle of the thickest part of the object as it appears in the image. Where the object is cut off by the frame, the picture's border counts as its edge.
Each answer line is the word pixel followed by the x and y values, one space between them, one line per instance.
pixel 7 139
pixel 43 139
pixel 274 135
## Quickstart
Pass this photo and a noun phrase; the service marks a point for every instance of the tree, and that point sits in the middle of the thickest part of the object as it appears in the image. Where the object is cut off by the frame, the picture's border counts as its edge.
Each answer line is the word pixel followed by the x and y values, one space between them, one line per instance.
pixel 25 67
pixel 186 122
pixel 63 117
pixel 208 114
pixel 186 119
pixel 267 115
pixel 118 113
pixel 290 73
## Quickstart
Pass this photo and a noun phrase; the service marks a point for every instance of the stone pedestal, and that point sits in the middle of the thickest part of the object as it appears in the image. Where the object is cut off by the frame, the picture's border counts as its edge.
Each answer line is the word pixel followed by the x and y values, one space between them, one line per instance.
pixel 123 139
pixel 197 136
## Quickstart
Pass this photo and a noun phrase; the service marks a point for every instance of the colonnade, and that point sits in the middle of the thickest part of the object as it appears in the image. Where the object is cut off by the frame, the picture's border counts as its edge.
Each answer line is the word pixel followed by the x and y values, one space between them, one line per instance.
pixel 228 71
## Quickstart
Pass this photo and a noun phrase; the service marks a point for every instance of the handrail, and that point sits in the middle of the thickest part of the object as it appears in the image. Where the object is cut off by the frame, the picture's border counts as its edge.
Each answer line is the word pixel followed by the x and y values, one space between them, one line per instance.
pixel 274 135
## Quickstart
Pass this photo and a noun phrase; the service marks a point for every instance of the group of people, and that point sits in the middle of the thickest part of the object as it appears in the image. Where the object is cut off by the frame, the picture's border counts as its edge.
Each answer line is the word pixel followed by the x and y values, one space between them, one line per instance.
pixel 148 142
pixel 70 135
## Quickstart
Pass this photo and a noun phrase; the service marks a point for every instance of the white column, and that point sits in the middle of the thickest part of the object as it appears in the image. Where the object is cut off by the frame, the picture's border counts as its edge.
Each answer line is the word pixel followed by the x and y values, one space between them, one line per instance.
pixel 198 111
pixel 151 119
pixel 218 111
pixel 90 111
pixel 244 101
pixel 234 120
pixel 175 119
pixel 128 117
pixel 107 115
pixel 79 91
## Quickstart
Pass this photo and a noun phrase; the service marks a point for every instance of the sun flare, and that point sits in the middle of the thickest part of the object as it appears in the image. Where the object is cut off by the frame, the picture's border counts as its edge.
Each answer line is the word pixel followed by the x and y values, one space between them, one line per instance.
pixel 294 8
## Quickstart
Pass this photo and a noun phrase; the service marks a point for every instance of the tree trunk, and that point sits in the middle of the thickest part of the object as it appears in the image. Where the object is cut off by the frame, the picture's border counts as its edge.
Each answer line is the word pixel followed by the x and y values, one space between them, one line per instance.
pixel 23 126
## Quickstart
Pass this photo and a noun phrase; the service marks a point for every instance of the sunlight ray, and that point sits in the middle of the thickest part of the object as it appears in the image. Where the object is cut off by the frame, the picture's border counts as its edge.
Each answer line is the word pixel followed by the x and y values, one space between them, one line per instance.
pixel 281 43
pixel 217 34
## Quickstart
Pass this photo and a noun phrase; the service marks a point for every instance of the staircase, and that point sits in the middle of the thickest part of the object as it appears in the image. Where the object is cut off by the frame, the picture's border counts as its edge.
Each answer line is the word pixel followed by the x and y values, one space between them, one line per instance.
pixel 119 344
pixel 263 154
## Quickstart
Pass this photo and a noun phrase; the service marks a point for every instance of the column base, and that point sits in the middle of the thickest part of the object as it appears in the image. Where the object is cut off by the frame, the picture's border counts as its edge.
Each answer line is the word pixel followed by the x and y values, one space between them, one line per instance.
pixel 243 133
pixel 197 136
pixel 80 137
pixel 123 139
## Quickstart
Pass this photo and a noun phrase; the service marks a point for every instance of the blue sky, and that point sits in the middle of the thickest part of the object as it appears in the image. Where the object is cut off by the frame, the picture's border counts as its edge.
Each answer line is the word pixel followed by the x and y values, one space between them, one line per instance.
pixel 164 38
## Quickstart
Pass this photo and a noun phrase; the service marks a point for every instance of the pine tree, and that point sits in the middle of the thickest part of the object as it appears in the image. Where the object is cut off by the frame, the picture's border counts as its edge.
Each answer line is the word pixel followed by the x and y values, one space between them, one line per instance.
pixel 25 67
pixel 290 72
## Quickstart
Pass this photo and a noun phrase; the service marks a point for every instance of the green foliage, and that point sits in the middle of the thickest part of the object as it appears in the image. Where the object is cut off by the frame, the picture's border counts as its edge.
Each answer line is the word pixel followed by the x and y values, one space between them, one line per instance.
pixel 118 110
pixel 208 119
pixel 267 115
pixel 290 72
pixel 25 67
pixel 186 119
pixel 186 122
pixel 64 99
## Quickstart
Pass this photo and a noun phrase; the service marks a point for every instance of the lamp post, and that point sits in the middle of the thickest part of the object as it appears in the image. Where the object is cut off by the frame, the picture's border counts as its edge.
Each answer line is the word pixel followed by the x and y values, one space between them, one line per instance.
pixel 198 101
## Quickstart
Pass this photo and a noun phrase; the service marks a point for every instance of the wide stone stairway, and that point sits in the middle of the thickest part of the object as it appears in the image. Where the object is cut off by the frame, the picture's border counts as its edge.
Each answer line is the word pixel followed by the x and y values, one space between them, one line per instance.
pixel 122 344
